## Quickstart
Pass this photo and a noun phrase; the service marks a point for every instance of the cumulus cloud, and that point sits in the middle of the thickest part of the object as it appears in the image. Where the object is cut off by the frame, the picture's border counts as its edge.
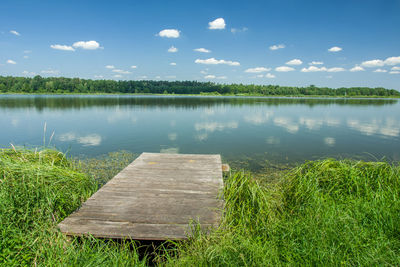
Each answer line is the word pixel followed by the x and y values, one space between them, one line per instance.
pixel 373 63
pixel 257 70
pixel 133 67
pixel 62 47
pixel 394 72
pixel 396 68
pixel 172 64
pixel 172 49
pixel 117 76
pixel 25 72
pixel 215 77
pixel 110 67
pixel 316 63
pixel 294 62
pixel 237 30
pixel 121 71
pixel 169 33
pixel 319 69
pixel 87 45
pixel 170 77
pixel 357 68
pixel 213 61
pixel 269 76
pixel 284 69
pixel 10 61
pixel 313 69
pixel 50 72
pixel 276 47
pixel 335 49
pixel 335 69
pixel 392 61
pixel 98 76
pixel 217 24
pixel 15 33
pixel 202 50
pixel 380 70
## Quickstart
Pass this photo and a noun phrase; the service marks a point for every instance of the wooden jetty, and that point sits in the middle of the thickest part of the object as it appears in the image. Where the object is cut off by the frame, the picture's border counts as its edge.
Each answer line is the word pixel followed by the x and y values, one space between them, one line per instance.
pixel 156 197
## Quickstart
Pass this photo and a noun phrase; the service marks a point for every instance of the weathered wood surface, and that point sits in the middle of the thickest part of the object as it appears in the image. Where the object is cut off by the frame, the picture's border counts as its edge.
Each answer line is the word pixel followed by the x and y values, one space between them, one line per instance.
pixel 154 198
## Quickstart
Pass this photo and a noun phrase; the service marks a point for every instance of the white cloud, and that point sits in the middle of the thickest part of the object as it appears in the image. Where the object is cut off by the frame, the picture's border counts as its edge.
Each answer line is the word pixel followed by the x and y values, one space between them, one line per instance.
pixel 50 72
pixel 10 61
pixel 169 33
pixel 287 124
pixel 117 76
pixel 157 77
pixel 269 75
pixel 142 77
pixel 316 63
pixel 110 67
pixel 98 76
pixel 237 30
pixel 276 47
pixel 284 69
pixel 15 33
pixel 217 24
pixel 294 62
pixel 172 49
pixel 121 71
pixel 62 47
pixel 380 70
pixel 357 68
pixel 172 64
pixel 335 69
pixel 313 69
pixel 394 72
pixel 215 126
pixel 89 140
pixel 133 67
pixel 335 49
pixel 88 45
pixel 215 77
pixel 392 61
pixel 373 63
pixel 203 72
pixel 396 68
pixel 26 56
pixel 213 61
pixel 25 72
pixel 329 141
pixel 170 77
pixel 257 70
pixel 202 50
pixel 27 51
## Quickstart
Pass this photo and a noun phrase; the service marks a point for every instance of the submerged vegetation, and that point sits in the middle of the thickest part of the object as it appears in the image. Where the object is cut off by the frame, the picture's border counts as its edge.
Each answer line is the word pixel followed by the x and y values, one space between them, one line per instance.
pixel 61 85
pixel 324 212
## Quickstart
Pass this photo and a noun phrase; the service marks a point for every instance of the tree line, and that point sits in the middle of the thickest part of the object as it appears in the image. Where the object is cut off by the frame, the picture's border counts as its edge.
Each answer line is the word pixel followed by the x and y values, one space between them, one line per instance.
pixel 62 85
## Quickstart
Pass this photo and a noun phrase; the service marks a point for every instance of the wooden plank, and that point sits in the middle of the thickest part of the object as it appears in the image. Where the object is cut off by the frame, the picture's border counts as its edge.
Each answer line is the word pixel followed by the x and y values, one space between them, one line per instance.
pixel 154 198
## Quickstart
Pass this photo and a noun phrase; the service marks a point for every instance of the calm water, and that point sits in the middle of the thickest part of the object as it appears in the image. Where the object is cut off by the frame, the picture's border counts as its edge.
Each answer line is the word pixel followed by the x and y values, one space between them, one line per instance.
pixel 280 130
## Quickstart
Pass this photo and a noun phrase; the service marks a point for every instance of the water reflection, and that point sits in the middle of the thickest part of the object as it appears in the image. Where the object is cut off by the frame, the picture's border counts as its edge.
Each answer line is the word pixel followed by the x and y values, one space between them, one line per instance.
pixel 255 129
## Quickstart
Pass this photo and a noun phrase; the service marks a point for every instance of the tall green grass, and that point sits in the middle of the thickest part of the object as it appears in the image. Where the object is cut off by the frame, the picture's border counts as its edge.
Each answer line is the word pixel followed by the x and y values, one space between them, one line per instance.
pixel 321 213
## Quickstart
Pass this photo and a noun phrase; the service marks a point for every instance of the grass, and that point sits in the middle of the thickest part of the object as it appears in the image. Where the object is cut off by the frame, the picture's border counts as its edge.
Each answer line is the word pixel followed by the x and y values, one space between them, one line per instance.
pixel 324 212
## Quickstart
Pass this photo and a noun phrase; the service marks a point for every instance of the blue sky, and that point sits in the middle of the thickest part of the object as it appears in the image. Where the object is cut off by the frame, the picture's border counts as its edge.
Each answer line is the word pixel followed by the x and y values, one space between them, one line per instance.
pixel 297 43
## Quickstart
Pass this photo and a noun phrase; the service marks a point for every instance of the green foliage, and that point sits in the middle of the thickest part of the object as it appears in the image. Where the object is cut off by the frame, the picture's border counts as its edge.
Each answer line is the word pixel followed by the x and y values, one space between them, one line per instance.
pixel 37 191
pixel 322 213
pixel 59 85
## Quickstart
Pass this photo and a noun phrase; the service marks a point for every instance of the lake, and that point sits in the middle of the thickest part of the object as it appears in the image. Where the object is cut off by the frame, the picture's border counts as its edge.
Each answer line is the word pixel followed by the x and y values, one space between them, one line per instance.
pixel 241 129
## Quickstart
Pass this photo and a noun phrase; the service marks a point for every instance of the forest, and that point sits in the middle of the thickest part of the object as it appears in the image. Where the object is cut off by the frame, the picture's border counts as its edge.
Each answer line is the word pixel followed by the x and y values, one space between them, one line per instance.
pixel 62 85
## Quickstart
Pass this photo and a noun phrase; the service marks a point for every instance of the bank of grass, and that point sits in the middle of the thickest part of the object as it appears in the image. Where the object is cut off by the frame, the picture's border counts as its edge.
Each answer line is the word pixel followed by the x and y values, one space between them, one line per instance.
pixel 321 213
